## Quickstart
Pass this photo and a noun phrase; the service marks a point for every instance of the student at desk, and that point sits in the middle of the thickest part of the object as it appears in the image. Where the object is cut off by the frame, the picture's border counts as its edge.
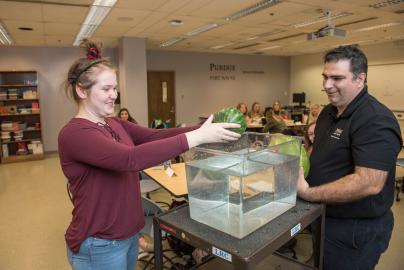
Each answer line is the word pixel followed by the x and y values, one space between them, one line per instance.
pixel 315 110
pixel 255 115
pixel 101 157
pixel 309 138
pixel 242 107
pixel 278 112
pixel 274 123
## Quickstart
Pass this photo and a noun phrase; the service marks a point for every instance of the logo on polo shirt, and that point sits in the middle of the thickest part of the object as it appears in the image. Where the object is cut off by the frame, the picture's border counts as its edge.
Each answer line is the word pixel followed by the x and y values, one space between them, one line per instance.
pixel 337 133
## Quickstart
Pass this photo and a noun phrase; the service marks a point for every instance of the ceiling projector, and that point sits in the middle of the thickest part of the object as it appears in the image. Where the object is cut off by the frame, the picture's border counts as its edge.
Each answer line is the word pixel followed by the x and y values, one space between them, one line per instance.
pixel 328 31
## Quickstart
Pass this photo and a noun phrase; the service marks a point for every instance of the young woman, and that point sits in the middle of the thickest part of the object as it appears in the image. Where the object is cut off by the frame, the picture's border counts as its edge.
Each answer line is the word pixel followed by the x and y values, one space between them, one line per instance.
pixel 101 157
pixel 309 137
pixel 255 115
pixel 125 115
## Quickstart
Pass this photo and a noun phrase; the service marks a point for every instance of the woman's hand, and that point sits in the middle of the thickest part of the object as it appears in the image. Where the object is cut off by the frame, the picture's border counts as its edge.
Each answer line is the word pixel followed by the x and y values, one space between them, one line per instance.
pixel 212 132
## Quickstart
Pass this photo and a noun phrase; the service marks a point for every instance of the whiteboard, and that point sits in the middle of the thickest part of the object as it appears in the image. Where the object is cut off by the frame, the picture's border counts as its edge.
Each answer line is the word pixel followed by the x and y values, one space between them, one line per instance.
pixel 386 83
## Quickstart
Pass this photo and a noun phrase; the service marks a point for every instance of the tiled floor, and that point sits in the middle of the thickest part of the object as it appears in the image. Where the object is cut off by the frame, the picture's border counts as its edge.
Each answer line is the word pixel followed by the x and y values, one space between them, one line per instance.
pixel 35 212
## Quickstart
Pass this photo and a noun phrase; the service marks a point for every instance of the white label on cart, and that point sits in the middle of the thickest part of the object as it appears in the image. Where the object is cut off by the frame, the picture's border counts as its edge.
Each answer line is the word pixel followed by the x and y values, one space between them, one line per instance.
pixel 295 229
pixel 222 254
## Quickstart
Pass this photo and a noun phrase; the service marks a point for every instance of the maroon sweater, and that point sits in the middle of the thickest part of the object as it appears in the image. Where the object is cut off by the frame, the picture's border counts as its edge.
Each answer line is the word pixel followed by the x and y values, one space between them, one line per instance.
pixel 103 174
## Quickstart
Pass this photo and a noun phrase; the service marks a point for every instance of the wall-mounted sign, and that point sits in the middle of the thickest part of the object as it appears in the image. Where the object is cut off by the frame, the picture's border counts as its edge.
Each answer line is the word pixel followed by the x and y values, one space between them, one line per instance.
pixel 222 72
pixel 253 72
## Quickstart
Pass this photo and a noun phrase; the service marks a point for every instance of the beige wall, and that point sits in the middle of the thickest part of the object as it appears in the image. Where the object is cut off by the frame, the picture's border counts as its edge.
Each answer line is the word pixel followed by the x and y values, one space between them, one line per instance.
pixel 197 95
pixel 385 75
pixel 52 65
pixel 133 77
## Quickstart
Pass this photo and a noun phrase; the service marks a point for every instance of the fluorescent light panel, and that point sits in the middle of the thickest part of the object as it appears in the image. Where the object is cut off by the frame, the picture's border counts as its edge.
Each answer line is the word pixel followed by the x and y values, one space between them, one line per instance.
pixel 202 29
pixel 222 45
pixel 322 19
pixel 171 42
pixel 386 3
pixel 104 3
pixel 252 9
pixel 96 15
pixel 375 27
pixel 269 48
pixel 265 34
pixel 5 38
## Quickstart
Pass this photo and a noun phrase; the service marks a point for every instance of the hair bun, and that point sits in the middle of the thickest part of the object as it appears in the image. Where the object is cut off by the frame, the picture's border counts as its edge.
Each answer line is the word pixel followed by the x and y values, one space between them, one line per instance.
pixel 92 49
pixel 93 53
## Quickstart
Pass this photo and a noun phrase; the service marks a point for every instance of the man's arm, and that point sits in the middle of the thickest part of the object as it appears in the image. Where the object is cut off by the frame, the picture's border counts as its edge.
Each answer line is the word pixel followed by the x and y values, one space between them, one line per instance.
pixel 362 183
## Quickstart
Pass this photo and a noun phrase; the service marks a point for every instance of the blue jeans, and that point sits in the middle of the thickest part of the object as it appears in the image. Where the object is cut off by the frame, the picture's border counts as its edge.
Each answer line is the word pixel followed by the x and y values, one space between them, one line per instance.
pixel 101 254
pixel 356 244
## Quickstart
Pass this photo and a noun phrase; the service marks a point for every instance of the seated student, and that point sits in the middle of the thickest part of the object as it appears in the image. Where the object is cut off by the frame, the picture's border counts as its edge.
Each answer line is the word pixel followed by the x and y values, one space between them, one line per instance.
pixel 242 107
pixel 274 124
pixel 278 113
pixel 125 115
pixel 314 113
pixel 255 115
pixel 309 137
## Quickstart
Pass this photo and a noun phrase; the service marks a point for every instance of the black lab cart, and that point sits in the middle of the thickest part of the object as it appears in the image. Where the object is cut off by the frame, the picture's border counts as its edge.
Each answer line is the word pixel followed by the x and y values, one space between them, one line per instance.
pixel 233 253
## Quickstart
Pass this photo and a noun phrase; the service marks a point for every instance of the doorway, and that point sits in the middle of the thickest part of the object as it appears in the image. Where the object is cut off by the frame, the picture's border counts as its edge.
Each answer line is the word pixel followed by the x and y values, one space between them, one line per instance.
pixel 161 96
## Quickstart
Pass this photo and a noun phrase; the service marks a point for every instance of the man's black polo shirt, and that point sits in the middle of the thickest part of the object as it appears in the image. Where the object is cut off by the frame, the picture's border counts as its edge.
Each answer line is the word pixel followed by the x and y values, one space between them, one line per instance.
pixel 366 134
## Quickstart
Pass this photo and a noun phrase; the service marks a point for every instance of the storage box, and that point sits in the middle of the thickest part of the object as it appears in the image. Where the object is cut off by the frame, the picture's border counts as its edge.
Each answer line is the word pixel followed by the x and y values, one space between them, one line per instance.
pixel 239 187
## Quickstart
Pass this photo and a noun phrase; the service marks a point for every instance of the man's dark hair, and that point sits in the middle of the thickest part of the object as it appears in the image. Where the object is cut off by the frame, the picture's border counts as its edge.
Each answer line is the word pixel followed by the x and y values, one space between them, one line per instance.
pixel 358 60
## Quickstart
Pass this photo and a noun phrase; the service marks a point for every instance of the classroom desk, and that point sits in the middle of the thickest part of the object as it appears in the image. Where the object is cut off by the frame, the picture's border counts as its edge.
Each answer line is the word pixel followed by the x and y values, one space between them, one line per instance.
pixel 299 129
pixel 245 253
pixel 255 128
pixel 175 185
pixel 295 125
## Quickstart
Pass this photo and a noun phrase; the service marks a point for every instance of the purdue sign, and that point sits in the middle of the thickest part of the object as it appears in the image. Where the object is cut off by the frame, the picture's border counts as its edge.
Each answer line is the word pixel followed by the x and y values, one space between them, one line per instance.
pixel 222 72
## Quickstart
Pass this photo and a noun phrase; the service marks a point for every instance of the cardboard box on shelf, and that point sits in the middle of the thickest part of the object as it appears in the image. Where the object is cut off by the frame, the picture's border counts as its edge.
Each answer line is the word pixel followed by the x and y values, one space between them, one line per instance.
pixel 36 147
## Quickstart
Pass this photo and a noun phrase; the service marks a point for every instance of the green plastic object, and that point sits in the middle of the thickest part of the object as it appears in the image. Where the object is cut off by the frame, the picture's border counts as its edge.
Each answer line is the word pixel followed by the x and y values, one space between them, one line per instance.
pixel 292 148
pixel 231 115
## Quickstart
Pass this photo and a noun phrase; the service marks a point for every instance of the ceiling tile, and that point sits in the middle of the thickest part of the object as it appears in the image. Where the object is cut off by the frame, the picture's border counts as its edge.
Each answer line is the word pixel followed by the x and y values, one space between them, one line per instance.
pixel 20 11
pixel 64 14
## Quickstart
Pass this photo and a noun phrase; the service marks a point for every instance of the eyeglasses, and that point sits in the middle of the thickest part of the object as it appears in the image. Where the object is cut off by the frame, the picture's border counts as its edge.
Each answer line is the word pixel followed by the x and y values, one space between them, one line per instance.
pixel 115 136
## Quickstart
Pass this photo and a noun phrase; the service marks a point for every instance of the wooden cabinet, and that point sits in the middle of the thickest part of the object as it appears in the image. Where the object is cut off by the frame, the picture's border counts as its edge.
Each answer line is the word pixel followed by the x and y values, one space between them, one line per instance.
pixel 20 117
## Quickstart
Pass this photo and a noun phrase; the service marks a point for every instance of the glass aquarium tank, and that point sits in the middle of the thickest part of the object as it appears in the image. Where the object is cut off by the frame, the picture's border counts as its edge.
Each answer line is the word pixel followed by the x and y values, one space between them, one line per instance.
pixel 240 186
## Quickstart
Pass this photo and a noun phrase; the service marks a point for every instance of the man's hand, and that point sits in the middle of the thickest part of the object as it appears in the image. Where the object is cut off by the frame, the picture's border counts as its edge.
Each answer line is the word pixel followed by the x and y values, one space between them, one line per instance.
pixel 302 186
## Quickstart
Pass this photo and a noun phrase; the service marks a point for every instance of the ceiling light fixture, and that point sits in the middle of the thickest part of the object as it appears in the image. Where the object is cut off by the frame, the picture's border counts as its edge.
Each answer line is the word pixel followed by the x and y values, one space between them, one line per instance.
pixel 322 18
pixel 97 13
pixel 222 46
pixel 252 9
pixel 171 42
pixel 202 29
pixel 269 48
pixel 386 3
pixel 265 34
pixel 5 37
pixel 375 27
